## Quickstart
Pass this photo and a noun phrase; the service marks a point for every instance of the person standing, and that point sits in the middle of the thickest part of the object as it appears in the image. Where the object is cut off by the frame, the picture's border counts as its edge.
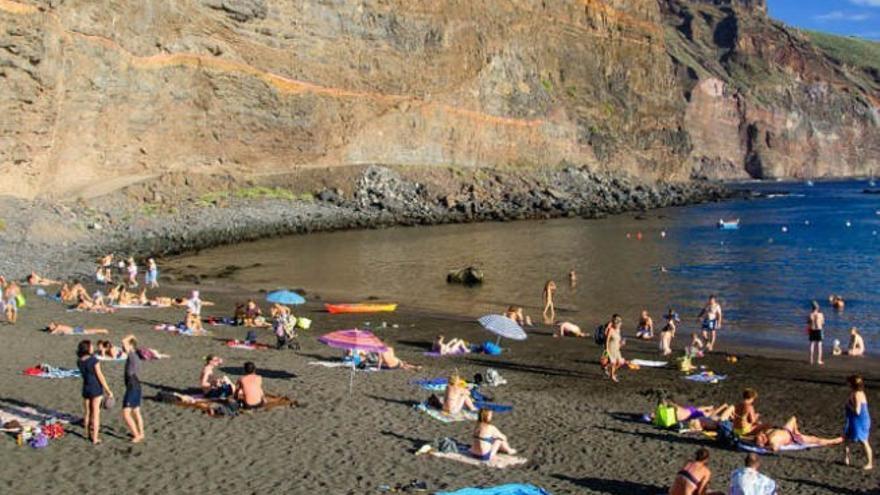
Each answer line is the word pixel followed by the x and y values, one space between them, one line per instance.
pixel 549 306
pixel 667 333
pixel 151 278
pixel 11 294
pixel 815 326
pixel 132 270
pixel 712 318
pixel 748 481
pixel 613 342
pixel 131 402
pixel 94 388
pixel 858 421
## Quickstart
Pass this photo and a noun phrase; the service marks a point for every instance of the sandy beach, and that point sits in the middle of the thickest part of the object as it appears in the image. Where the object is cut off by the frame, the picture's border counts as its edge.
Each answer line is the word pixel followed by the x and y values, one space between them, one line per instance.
pixel 575 427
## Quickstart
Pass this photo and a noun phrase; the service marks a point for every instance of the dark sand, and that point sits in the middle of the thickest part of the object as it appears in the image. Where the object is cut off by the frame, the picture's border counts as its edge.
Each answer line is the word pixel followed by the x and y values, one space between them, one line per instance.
pixel 569 421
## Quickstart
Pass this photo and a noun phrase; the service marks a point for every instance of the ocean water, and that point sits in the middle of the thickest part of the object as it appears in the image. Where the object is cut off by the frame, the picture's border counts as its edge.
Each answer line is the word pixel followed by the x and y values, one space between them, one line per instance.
pixel 790 249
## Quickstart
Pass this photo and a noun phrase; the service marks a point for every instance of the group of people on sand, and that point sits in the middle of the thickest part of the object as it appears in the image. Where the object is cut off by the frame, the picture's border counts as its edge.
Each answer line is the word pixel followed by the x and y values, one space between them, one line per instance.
pixel 127 272
pixel 694 477
pixel 816 334
pixel 247 392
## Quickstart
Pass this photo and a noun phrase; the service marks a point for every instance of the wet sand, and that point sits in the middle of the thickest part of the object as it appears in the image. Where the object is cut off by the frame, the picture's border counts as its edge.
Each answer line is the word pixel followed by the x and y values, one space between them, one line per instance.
pixel 573 425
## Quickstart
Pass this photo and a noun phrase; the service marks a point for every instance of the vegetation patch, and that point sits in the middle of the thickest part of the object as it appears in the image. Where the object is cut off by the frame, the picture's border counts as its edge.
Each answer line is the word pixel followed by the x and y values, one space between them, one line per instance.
pixel 852 51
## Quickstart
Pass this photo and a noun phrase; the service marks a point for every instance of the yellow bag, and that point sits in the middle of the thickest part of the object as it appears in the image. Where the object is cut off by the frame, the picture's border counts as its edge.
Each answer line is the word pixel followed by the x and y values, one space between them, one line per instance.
pixel 664 416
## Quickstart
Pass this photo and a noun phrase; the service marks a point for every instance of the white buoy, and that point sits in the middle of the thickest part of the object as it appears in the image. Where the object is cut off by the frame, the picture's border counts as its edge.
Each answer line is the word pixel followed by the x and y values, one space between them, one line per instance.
pixel 874 233
pixel 806 222
pixel 770 240
pixel 848 223
pixel 663 234
pixel 784 229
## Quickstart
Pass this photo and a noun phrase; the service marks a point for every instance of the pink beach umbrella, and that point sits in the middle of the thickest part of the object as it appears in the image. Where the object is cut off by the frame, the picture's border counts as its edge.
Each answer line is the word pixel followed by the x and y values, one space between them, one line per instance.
pixel 354 340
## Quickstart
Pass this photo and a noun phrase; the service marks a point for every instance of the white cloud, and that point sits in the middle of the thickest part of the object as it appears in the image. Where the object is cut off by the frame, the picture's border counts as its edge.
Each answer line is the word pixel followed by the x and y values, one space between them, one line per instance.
pixel 866 3
pixel 839 15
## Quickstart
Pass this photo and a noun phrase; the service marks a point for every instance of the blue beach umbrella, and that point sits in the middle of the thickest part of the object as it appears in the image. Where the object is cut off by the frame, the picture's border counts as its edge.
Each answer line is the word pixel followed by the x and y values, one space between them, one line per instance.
pixel 503 326
pixel 285 297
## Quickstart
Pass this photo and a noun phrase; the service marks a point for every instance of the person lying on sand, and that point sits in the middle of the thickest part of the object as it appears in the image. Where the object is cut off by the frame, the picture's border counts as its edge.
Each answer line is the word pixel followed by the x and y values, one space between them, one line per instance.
pixel 34 279
pixel 488 440
pixel 774 438
pixel 55 328
pixel 249 389
pixel 215 387
pixel 92 306
pixel 458 396
pixel 856 343
pixel 745 416
pixel 568 328
pixel 453 346
pixel 693 478
pixel 685 414
pixel 711 419
pixel 389 361
pixel 107 350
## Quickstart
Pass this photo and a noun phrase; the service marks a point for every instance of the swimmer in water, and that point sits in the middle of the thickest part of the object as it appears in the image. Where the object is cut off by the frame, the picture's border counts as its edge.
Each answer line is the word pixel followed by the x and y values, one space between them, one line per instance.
pixel 837 302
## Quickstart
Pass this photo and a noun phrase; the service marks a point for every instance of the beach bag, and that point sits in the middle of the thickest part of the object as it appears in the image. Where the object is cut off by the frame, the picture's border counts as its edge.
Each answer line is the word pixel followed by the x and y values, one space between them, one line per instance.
pixel 599 335
pixel 303 323
pixel 664 416
pixel 491 349
pixel 39 441
pixel 726 436
pixel 20 301
pixel 493 378
pixel 447 445
pixel 434 402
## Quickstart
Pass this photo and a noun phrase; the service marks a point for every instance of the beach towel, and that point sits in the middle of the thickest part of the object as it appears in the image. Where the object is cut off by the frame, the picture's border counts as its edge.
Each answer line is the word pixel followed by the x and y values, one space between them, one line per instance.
pixel 46 371
pixel 32 416
pixel 112 359
pixel 180 330
pixel 704 377
pixel 220 407
pixel 750 447
pixel 432 384
pixel 509 489
pixel 435 354
pixel 238 344
pixel 133 306
pixel 445 418
pixel 499 461
pixel 644 363
pixel 331 364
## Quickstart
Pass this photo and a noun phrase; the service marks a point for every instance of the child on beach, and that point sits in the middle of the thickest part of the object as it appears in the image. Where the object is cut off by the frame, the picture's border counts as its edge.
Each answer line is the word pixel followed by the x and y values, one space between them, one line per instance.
pixel 568 328
pixel 745 416
pixel 856 345
pixel 667 333
pixel 516 314
pixel 857 426
pixel 646 326
pixel 132 270
pixel 151 278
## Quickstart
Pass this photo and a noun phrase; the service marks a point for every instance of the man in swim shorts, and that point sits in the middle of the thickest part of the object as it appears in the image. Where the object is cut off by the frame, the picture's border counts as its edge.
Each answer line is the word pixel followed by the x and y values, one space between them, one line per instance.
pixel 774 438
pixel 712 318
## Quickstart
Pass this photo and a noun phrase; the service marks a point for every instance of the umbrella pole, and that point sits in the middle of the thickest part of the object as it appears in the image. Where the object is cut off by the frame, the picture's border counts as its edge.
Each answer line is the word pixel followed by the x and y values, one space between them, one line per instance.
pixel 351 378
pixel 498 341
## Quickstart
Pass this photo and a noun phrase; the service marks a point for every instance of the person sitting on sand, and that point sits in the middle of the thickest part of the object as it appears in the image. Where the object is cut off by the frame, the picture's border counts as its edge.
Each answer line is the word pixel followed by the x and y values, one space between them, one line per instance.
pixel 515 313
pixel 11 292
pixel 214 387
pixel 837 302
pixel 458 396
pixel 568 328
pixel 84 303
pixel 774 438
pixel 646 326
pixel 488 440
pixel 856 345
pixel 389 361
pixel 73 293
pixel 667 333
pixel 695 348
pixel 55 328
pixel 253 315
pixel 748 481
pixel 745 416
pixel 453 346
pixel 693 478
pixel 249 389
pixel 36 280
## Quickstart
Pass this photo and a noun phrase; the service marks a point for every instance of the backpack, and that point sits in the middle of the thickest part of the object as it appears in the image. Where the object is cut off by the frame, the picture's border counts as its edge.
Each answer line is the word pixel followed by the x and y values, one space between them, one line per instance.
pixel 599 334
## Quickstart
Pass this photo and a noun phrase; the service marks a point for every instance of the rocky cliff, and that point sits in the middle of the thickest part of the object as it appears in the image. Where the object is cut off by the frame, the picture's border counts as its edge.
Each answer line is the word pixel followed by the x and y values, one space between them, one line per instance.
pixel 97 95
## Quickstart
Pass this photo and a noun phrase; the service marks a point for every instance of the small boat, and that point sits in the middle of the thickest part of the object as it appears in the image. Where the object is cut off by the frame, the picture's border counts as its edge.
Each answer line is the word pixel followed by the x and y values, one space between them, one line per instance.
pixel 728 225
pixel 360 308
pixel 810 183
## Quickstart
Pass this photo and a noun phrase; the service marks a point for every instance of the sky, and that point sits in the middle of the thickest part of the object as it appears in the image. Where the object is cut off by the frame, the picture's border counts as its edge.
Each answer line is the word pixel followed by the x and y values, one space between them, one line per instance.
pixel 845 17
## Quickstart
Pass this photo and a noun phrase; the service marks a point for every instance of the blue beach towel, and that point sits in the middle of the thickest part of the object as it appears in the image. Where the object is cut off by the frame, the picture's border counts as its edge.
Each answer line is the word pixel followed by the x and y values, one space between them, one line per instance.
pixel 432 384
pixel 510 489
pixel 705 378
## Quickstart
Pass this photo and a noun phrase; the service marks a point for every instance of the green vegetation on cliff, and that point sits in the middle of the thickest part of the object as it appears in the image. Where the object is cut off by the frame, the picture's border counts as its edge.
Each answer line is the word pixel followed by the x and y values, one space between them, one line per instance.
pixel 857 52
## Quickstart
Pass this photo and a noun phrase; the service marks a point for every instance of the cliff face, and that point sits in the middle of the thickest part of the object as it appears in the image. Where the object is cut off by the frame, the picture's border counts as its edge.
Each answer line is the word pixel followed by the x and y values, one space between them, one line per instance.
pixel 97 95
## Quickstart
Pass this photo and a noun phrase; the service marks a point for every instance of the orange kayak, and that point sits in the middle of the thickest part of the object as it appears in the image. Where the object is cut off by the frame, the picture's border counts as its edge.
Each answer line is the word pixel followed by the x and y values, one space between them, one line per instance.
pixel 360 308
